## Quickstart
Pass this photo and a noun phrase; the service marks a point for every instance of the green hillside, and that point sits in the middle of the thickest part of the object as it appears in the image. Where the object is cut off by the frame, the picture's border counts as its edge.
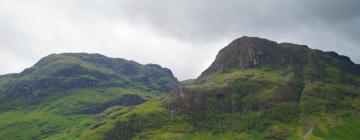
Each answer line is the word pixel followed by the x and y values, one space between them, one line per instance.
pixel 63 94
pixel 255 89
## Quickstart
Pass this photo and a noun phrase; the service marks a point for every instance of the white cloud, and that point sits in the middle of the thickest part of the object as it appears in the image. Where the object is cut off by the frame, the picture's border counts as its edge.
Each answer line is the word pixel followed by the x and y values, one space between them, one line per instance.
pixel 39 29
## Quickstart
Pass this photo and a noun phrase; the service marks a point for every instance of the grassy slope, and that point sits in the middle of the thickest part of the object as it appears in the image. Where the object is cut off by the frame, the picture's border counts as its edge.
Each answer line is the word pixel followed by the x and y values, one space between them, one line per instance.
pixel 330 109
pixel 40 125
pixel 113 116
pixel 63 93
pixel 322 107
pixel 155 123
pixel 53 119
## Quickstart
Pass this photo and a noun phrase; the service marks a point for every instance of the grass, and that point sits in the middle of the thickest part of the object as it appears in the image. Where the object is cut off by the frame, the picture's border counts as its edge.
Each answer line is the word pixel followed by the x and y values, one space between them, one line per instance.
pixel 330 108
pixel 152 121
pixel 161 135
pixel 109 122
pixel 345 129
pixel 40 125
pixel 234 126
pixel 6 79
pixel 53 118
pixel 224 79
pixel 80 98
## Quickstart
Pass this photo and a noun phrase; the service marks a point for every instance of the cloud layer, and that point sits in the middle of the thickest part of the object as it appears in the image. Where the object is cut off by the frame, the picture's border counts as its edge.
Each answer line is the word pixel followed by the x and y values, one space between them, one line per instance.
pixel 182 35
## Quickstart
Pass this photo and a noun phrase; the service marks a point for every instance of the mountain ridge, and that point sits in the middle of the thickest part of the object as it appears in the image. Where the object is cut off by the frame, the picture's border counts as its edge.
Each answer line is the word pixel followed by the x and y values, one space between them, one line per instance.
pixel 255 89
pixel 61 72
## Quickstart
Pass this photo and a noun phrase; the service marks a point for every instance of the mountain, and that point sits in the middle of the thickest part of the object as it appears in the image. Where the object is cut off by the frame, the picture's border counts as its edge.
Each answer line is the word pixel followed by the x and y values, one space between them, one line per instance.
pixel 59 72
pixel 250 67
pixel 62 94
pixel 255 89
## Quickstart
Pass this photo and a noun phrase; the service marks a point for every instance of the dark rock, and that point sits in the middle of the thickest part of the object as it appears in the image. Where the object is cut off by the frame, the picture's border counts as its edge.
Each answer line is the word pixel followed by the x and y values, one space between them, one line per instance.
pixel 244 53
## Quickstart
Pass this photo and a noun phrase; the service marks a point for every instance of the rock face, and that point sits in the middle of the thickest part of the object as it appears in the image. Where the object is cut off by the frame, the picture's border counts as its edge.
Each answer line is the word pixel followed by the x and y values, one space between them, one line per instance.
pixel 244 53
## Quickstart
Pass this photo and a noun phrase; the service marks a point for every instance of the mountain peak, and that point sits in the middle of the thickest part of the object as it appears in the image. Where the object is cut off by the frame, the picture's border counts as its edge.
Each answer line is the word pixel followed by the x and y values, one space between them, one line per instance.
pixel 65 71
pixel 246 41
pixel 251 52
pixel 244 53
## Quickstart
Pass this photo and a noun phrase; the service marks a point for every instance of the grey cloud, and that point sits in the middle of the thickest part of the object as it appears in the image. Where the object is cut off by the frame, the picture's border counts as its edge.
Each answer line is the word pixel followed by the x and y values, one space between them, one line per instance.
pixel 204 20
pixel 188 32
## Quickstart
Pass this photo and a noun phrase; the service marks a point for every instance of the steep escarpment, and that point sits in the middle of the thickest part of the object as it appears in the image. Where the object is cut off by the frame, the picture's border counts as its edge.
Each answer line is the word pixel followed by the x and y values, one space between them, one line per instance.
pixel 244 53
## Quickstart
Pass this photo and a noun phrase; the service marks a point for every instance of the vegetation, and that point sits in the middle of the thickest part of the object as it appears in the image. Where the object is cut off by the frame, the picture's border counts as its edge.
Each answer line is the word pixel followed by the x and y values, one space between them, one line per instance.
pixel 321 110
pixel 291 93
pixel 64 117
pixel 255 89
pixel 63 95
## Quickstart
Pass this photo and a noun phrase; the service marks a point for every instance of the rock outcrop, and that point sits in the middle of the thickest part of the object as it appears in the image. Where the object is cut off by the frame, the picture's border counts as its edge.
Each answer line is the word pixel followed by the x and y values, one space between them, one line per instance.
pixel 244 53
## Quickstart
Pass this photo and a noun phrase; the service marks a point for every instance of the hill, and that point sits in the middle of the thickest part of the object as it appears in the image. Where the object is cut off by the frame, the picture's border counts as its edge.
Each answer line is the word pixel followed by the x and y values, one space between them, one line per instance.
pixel 63 94
pixel 255 89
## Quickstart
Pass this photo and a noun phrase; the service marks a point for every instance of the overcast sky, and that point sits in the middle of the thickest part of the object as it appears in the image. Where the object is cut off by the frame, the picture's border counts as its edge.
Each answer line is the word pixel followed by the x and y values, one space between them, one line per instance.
pixel 183 35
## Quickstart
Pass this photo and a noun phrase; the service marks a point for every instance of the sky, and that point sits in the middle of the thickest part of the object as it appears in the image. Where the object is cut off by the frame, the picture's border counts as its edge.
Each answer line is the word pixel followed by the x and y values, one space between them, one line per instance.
pixel 183 35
